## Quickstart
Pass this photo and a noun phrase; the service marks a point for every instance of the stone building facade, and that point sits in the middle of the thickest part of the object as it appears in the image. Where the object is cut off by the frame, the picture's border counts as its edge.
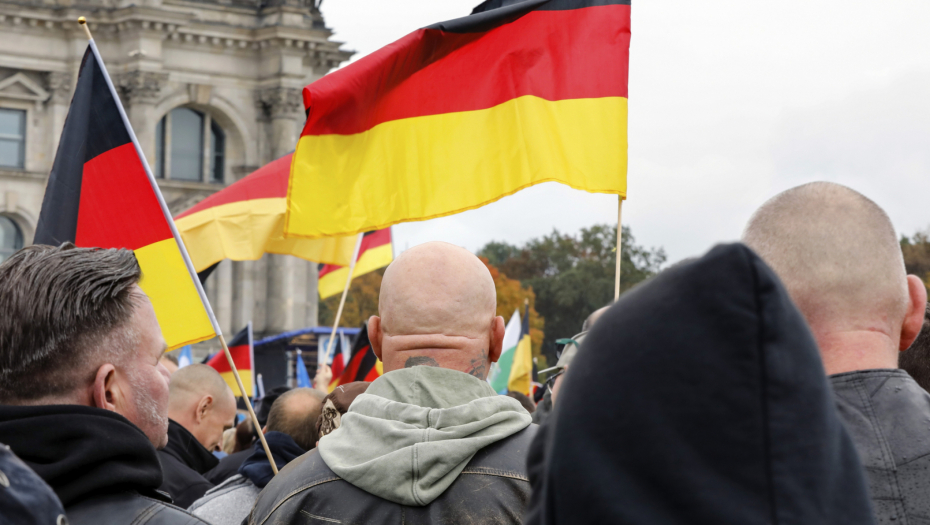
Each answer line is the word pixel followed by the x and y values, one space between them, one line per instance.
pixel 212 88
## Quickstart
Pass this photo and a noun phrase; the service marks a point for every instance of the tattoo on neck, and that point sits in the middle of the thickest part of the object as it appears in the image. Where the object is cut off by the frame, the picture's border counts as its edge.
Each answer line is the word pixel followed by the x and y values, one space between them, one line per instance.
pixel 478 366
pixel 420 360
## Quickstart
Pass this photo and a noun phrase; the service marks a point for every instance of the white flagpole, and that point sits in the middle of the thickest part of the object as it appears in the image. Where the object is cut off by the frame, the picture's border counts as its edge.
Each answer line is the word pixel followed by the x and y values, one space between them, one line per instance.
pixel 342 302
pixel 619 248
pixel 177 238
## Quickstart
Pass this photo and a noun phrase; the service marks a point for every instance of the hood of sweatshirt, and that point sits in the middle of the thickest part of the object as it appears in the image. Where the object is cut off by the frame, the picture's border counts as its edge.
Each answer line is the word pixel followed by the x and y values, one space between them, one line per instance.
pixel 81 451
pixel 410 435
pixel 699 398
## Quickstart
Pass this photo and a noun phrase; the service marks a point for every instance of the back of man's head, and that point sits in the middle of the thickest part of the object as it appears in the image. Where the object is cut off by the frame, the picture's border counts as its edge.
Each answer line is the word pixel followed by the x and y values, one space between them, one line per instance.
pixel 916 359
pixel 202 402
pixel 838 255
pixel 437 308
pixel 295 413
pixel 64 311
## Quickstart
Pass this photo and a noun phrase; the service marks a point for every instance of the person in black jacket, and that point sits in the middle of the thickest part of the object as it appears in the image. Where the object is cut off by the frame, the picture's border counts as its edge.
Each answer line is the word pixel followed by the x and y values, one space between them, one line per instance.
pixel 83 396
pixel 201 408
pixel 726 416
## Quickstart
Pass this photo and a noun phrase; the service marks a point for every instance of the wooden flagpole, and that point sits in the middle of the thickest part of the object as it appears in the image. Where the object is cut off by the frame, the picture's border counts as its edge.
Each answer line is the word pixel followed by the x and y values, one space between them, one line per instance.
pixel 177 237
pixel 619 246
pixel 342 302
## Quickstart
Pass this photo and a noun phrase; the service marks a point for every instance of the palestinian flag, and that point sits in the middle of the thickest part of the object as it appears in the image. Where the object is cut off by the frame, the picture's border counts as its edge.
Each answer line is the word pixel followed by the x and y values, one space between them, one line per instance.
pixel 245 220
pixel 364 365
pixel 375 252
pixel 242 351
pixel 461 113
pixel 101 193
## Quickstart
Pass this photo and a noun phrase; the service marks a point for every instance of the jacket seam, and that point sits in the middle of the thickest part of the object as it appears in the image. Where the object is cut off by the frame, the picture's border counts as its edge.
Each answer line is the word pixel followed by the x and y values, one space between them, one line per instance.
pixel 296 492
pixel 498 474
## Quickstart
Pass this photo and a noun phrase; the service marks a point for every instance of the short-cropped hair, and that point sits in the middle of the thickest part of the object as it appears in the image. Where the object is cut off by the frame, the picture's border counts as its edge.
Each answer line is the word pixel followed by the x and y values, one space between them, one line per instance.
pixel 295 414
pixel 61 310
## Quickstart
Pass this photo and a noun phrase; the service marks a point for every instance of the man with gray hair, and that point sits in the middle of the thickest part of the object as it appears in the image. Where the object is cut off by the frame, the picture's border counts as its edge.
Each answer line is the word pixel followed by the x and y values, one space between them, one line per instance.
pixel 838 255
pixel 83 395
pixel 201 407
pixel 429 441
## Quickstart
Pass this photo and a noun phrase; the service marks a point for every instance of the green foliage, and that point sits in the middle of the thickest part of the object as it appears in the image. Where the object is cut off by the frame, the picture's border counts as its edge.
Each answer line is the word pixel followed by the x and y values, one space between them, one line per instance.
pixel 916 251
pixel 573 275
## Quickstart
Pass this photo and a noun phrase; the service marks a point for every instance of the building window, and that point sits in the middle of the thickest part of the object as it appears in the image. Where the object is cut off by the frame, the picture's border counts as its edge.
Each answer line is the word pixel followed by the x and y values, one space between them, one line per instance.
pixel 12 138
pixel 11 238
pixel 180 138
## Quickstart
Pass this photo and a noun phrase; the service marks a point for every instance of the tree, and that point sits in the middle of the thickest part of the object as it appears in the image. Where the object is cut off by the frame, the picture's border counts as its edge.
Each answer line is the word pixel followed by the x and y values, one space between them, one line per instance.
pixel 361 303
pixel 573 275
pixel 510 297
pixel 916 251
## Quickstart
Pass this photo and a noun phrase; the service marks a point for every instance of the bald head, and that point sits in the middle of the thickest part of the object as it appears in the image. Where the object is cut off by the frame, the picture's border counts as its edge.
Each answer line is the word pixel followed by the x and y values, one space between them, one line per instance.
pixel 201 401
pixel 437 307
pixel 838 255
pixel 295 414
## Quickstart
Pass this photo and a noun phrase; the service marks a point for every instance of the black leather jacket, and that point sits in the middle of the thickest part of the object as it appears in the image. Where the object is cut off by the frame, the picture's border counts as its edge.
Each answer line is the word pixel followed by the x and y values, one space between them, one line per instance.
pixel 127 508
pixel 493 489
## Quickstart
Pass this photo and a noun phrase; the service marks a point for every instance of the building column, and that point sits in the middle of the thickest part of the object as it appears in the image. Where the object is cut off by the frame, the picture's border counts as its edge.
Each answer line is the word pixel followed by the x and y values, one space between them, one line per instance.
pixel 139 91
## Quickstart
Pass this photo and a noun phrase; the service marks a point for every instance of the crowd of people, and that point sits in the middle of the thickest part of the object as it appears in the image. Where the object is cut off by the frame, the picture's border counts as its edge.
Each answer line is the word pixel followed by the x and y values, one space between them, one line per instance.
pixel 781 379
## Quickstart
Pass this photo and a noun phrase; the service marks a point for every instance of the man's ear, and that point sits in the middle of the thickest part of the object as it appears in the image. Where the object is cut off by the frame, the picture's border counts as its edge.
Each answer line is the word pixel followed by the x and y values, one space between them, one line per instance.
pixel 107 394
pixel 375 334
pixel 916 310
pixel 203 408
pixel 497 338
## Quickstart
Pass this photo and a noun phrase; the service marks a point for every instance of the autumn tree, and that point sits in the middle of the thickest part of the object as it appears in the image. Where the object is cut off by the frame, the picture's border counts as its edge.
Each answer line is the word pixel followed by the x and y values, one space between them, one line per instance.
pixel 511 297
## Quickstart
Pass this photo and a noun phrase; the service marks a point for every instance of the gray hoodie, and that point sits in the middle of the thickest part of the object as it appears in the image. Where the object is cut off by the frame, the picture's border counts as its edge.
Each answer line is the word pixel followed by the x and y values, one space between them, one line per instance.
pixel 408 437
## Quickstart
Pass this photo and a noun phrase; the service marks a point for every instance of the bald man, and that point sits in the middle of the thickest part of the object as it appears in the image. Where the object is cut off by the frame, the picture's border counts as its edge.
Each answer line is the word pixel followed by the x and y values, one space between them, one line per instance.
pixel 429 441
pixel 838 255
pixel 200 408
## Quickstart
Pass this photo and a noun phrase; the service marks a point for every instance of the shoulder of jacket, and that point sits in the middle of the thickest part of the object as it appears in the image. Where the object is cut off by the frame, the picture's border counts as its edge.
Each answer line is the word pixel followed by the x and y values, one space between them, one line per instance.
pixel 300 475
pixel 228 487
pixel 505 458
pixel 129 507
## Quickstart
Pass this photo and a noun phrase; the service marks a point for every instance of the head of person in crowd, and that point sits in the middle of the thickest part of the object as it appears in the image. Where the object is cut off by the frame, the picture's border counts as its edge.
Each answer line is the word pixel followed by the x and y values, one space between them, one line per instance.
pixel 202 402
pixel 264 408
pixel 916 359
pixel 437 308
pixel 245 435
pixel 524 400
pixel 337 403
pixel 24 498
pixel 76 329
pixel 295 413
pixel 730 419
pixel 839 257
pixel 170 363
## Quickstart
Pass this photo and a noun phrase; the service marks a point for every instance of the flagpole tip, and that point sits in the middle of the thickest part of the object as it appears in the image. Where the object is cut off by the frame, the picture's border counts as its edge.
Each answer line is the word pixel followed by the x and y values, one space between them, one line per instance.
pixel 82 20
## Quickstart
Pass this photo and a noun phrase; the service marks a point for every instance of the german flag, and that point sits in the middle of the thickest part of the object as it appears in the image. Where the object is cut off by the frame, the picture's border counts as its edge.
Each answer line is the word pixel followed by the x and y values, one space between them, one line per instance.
pixel 459 114
pixel 241 350
pixel 246 220
pixel 375 252
pixel 101 194
pixel 364 365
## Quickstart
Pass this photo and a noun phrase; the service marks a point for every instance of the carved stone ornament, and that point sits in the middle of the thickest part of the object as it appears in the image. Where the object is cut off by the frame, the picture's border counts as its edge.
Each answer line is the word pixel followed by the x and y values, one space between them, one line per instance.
pixel 280 102
pixel 141 86
pixel 60 85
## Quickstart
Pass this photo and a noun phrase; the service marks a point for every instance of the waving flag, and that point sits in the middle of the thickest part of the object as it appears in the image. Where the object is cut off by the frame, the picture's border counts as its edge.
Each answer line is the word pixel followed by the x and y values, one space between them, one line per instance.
pixel 364 364
pixel 101 194
pixel 461 113
pixel 375 252
pixel 521 371
pixel 241 348
pixel 245 220
pixel 500 371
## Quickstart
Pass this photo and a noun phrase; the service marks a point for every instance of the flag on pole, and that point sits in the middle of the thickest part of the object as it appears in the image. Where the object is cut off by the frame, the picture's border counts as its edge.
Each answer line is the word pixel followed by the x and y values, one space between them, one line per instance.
pixel 462 113
pixel 500 371
pixel 337 360
pixel 303 377
pixel 185 358
pixel 246 220
pixel 375 252
pixel 521 371
pixel 241 348
pixel 100 193
pixel 364 365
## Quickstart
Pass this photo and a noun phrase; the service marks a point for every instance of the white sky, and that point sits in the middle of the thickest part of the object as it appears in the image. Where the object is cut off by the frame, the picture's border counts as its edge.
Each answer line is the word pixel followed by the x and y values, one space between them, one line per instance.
pixel 730 103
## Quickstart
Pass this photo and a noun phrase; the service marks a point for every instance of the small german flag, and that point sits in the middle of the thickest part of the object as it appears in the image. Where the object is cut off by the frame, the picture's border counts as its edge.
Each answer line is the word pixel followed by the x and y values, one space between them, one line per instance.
pixel 101 194
pixel 375 252
pixel 241 350
pixel 462 113
pixel 363 366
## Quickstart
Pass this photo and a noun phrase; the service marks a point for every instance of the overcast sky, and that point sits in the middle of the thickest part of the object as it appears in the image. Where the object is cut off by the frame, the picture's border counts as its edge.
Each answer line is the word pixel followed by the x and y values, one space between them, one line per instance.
pixel 730 103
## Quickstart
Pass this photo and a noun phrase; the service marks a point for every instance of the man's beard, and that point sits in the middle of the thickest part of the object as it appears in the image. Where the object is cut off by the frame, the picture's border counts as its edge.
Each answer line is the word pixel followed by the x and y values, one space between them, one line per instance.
pixel 153 420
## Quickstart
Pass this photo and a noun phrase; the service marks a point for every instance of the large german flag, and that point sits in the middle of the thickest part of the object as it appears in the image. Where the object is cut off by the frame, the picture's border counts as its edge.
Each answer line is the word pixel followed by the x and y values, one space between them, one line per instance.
pixel 375 252
pixel 246 220
pixel 99 194
pixel 459 114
